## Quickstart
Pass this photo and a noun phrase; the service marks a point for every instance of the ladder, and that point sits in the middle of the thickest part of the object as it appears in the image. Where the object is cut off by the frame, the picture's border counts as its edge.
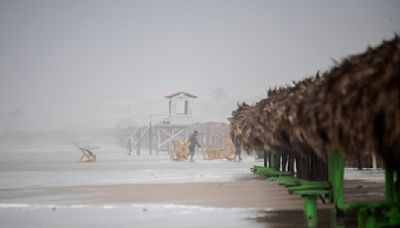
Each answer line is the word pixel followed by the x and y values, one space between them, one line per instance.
pixel 135 139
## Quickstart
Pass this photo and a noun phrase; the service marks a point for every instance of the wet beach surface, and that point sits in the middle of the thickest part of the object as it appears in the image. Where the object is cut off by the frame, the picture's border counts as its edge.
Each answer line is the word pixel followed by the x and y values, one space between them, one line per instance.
pixel 45 186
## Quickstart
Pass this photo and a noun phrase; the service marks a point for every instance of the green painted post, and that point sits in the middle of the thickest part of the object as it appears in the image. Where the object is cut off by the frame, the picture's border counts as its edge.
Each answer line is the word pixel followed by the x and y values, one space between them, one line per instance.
pixel 339 176
pixel 397 189
pixel 394 217
pixel 362 218
pixel 371 222
pixel 310 209
pixel 336 175
pixel 273 159
pixel 331 173
pixel 389 187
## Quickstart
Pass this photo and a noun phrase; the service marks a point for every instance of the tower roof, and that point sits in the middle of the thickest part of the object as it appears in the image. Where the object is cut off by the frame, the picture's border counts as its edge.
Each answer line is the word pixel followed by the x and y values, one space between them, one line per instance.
pixel 180 94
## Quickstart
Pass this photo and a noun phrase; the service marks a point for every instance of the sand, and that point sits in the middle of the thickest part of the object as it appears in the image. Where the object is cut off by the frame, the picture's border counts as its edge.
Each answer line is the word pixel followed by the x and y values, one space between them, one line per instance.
pixel 44 186
pixel 246 193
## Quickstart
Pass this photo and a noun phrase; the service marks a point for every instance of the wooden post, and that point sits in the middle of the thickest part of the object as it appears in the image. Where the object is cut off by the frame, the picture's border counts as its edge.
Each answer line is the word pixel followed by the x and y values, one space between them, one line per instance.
pixel 291 161
pixel 269 159
pixel 284 156
pixel 265 159
pixel 359 160
pixel 157 139
pixel 374 166
pixel 150 138
pixel 138 143
pixel 129 145
pixel 172 132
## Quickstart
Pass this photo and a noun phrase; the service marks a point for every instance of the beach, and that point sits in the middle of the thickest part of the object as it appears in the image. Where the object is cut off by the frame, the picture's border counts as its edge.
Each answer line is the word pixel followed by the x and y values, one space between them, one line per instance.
pixel 44 185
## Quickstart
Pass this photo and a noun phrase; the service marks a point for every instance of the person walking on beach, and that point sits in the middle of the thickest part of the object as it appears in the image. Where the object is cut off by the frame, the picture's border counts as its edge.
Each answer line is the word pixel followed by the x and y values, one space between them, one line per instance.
pixel 193 143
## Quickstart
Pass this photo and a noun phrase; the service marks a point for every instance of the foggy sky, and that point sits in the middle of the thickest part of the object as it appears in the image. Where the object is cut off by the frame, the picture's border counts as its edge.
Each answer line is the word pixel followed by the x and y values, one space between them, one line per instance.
pixel 60 60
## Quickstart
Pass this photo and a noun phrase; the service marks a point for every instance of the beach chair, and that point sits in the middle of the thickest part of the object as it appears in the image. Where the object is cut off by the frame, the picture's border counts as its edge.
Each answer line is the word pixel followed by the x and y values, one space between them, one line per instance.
pixel 211 154
pixel 178 152
pixel 87 155
pixel 220 153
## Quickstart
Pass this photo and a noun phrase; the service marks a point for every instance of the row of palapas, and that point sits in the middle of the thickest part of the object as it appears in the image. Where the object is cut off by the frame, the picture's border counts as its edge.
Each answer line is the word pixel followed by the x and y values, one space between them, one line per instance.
pixel 353 107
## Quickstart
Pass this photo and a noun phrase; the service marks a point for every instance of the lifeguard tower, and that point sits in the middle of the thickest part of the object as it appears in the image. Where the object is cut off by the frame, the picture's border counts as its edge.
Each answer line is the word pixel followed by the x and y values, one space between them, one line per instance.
pixel 180 108
pixel 164 128
pixel 179 118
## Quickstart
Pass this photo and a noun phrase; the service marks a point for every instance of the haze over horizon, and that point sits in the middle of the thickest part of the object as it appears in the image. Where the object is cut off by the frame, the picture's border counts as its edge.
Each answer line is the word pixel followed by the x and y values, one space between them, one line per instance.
pixel 61 62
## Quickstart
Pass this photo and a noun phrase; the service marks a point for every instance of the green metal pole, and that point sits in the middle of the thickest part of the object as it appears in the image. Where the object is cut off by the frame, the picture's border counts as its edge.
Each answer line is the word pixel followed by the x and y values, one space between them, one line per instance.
pixel 273 159
pixel 394 217
pixel 397 189
pixel 389 187
pixel 362 218
pixel 310 209
pixel 371 223
pixel 336 175
pixel 331 174
pixel 339 176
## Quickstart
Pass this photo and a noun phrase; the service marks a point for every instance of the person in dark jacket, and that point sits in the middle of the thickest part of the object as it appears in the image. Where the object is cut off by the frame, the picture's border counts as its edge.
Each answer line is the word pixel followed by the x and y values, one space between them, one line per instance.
pixel 193 143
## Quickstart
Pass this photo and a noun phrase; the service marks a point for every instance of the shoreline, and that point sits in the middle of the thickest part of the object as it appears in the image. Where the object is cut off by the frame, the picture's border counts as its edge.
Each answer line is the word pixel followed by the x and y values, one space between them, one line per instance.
pixel 250 193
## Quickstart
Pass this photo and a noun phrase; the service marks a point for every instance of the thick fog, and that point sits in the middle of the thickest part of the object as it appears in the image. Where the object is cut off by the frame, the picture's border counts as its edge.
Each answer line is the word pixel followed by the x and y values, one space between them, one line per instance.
pixel 88 64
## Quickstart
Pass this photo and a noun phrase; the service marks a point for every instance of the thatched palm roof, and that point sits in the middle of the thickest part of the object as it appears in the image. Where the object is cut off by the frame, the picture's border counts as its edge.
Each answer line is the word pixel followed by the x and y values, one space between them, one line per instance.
pixel 353 107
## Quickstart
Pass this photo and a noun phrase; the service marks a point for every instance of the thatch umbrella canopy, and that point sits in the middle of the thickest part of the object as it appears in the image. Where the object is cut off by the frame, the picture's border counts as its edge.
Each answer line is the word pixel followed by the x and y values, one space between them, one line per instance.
pixel 353 107
pixel 244 129
pixel 360 103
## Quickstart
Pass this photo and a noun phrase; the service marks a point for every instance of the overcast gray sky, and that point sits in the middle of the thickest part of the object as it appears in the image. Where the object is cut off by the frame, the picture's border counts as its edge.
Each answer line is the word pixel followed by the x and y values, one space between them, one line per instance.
pixel 61 59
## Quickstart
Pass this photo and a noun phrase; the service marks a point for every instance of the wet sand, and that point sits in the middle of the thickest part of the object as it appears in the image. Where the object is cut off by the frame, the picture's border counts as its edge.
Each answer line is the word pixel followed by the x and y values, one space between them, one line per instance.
pixel 45 186
pixel 247 193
